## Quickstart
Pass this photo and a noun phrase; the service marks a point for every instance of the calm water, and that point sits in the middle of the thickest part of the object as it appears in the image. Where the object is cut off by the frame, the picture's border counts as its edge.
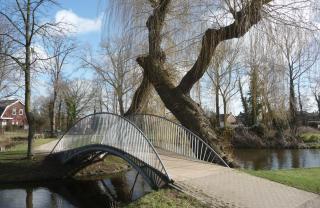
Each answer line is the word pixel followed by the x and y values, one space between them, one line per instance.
pixel 104 193
pixel 277 159
pixel 109 192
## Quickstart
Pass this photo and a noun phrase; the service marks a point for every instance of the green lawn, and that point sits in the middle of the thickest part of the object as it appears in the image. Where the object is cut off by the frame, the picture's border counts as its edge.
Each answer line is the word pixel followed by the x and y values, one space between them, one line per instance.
pixel 20 150
pixel 305 178
pixel 166 198
pixel 36 143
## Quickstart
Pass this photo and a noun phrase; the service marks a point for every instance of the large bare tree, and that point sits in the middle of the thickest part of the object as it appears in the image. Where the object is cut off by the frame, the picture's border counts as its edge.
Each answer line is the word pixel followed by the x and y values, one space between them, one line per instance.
pixel 59 49
pixel 23 17
pixel 78 96
pixel 223 74
pixel 118 69
pixel 298 55
pixel 240 17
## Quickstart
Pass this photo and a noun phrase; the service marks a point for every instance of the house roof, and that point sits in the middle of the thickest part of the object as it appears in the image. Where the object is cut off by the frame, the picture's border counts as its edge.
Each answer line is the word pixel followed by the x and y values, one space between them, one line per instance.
pixel 5 103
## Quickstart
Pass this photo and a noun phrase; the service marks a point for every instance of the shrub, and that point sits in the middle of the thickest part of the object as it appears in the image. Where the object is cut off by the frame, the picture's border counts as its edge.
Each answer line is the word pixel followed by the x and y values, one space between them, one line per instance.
pixel 314 138
pixel 310 137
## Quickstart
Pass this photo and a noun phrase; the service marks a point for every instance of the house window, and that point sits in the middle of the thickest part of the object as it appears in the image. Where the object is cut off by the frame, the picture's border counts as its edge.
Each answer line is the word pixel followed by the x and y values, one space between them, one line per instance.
pixel 14 111
pixel 21 112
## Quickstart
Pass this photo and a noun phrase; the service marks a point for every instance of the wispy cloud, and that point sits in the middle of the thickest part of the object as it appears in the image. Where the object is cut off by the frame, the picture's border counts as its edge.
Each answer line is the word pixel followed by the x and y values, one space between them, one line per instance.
pixel 76 24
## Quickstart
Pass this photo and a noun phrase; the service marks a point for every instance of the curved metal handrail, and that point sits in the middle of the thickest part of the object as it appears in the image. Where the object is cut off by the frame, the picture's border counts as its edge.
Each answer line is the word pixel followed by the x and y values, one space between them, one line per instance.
pixel 112 130
pixel 174 137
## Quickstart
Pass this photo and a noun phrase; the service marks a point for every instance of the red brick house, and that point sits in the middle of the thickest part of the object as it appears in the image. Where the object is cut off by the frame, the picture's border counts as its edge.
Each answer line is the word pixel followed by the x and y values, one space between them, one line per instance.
pixel 12 114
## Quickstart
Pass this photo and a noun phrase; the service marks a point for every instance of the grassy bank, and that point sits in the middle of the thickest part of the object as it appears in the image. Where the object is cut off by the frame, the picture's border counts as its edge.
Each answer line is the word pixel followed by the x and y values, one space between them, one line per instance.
pixel 310 137
pixel 307 179
pixel 166 198
pixel 19 151
pixel 37 142
pixel 14 167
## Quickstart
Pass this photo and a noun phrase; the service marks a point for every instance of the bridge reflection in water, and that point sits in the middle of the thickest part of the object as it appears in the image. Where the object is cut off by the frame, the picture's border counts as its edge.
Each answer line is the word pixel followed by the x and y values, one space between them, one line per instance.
pixel 102 193
pixel 136 139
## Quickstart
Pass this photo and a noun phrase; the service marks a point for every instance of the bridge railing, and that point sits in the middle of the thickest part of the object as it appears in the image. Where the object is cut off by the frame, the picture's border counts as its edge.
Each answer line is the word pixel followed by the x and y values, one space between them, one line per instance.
pixel 114 131
pixel 173 137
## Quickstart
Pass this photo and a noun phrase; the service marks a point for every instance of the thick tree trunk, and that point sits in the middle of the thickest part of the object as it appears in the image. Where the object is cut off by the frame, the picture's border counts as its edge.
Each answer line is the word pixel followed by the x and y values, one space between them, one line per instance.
pixel 140 99
pixel 27 73
pixel 186 110
pixel 198 90
pixel 177 98
pixel 28 112
pixel 53 115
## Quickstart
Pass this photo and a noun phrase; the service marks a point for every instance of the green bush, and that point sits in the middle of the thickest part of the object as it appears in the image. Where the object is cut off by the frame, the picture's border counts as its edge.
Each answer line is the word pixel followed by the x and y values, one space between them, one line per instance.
pixel 314 138
pixel 311 137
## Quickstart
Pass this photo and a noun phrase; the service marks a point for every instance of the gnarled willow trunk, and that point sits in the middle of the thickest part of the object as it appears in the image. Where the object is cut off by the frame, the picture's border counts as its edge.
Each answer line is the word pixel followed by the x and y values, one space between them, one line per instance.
pixel 186 110
pixel 177 98
pixel 140 99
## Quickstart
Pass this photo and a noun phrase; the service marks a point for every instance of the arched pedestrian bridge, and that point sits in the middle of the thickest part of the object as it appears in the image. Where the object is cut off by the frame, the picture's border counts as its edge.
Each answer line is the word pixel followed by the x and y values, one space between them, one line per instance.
pixel 146 142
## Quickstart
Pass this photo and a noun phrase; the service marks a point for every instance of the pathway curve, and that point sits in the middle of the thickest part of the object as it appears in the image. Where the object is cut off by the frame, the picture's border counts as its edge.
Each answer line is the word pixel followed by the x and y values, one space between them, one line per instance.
pixel 226 187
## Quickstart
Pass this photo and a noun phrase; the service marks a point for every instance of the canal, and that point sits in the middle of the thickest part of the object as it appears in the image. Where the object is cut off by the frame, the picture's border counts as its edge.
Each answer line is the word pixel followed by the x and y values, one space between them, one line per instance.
pixel 108 192
pixel 271 159
pixel 123 188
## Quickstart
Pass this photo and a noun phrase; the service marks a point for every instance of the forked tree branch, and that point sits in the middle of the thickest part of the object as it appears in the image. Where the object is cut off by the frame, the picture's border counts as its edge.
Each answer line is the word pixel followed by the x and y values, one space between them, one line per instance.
pixel 248 16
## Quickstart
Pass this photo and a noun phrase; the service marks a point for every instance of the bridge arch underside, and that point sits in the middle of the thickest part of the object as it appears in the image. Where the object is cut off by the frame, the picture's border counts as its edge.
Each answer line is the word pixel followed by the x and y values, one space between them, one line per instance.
pixel 84 156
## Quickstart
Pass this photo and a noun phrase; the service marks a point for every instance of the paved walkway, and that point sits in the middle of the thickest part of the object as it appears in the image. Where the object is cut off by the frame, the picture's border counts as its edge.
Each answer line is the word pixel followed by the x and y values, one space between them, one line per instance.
pixel 45 148
pixel 225 187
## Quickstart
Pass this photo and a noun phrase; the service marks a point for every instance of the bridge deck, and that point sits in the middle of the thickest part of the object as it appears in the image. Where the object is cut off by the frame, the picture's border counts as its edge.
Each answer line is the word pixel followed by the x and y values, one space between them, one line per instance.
pixel 226 187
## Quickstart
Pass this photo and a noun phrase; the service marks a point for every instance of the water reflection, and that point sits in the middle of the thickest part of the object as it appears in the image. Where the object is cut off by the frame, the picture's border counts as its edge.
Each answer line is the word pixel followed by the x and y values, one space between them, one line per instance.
pixel 29 198
pixel 68 194
pixel 277 159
